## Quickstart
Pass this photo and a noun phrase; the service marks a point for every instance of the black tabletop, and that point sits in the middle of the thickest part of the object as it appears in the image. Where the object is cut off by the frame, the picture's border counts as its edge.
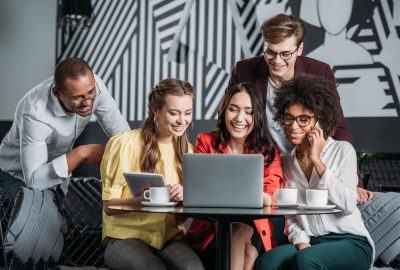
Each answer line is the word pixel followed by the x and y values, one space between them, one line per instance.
pixel 222 211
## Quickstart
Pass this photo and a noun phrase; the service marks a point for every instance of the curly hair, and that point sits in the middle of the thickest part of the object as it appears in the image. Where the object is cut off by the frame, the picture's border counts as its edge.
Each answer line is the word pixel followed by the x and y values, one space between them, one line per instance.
pixel 316 94
pixel 259 140
pixel 151 154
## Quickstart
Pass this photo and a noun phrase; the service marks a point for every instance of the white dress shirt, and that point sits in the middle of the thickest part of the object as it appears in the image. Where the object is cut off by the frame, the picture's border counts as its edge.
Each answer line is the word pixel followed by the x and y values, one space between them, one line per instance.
pixel 35 148
pixel 340 178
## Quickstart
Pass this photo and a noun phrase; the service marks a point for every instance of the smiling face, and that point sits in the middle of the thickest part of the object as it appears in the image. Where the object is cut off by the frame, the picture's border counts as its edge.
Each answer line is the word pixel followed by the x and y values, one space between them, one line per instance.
pixel 174 117
pixel 239 119
pixel 294 132
pixel 77 95
pixel 282 69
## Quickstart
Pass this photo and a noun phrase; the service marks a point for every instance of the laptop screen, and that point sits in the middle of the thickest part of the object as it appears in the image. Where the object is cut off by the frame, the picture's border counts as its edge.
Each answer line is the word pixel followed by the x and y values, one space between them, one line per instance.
pixel 218 180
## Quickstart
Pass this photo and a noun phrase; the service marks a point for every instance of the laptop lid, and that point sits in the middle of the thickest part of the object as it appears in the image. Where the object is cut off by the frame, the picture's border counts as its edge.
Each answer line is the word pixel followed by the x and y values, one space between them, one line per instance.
pixel 218 180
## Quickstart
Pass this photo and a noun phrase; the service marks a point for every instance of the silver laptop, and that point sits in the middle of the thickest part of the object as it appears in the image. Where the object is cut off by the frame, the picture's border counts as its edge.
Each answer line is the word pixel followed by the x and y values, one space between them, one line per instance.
pixel 218 180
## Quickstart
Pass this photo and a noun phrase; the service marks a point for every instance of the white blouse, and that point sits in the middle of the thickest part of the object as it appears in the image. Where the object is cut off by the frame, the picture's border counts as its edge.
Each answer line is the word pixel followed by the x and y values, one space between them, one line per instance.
pixel 340 178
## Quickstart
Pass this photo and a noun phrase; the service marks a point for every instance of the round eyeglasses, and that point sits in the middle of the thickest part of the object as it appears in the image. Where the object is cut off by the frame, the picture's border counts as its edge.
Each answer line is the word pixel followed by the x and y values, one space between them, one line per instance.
pixel 302 120
pixel 78 100
pixel 285 56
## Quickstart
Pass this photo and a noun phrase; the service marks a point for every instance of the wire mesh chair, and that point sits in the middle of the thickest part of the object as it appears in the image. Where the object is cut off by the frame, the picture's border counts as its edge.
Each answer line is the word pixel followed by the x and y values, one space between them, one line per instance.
pixel 82 209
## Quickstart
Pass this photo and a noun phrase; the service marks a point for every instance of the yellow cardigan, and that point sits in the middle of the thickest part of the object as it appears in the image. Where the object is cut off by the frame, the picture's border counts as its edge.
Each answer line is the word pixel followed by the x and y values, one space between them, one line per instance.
pixel 122 153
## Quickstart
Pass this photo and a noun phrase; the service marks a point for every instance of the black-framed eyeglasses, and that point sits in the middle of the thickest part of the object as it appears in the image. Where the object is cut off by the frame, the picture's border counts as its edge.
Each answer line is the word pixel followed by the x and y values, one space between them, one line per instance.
pixel 285 56
pixel 78 100
pixel 302 120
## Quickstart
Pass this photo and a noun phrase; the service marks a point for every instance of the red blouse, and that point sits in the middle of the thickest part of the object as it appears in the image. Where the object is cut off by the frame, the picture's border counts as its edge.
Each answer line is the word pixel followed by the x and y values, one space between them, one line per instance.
pixel 201 232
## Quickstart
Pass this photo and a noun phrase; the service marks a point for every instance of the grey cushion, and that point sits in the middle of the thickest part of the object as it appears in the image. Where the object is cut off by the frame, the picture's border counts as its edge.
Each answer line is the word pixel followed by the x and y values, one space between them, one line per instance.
pixel 35 228
pixel 382 220
pixel 391 252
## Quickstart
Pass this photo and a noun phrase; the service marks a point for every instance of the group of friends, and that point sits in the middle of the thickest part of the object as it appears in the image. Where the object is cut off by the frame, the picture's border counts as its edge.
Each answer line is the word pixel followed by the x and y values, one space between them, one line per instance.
pixel 282 105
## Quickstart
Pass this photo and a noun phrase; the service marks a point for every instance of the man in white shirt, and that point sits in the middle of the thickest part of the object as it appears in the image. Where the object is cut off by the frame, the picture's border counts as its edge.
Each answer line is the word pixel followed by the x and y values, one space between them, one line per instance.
pixel 38 149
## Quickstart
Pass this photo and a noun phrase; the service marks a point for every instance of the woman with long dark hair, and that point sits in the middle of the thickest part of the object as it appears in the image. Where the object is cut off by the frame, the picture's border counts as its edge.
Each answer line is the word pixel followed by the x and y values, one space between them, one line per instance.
pixel 241 129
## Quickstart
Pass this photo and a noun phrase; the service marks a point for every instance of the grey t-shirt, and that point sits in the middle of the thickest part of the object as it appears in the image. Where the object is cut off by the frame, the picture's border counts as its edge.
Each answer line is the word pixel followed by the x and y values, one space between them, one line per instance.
pixel 277 133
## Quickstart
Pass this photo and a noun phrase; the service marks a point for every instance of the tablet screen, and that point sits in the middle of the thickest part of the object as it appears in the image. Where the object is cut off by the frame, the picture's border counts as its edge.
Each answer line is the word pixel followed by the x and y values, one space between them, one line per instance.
pixel 137 180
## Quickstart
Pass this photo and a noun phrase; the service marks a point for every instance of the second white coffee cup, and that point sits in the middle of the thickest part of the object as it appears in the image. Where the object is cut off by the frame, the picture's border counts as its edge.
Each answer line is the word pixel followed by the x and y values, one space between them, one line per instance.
pixel 316 197
pixel 286 196
pixel 157 194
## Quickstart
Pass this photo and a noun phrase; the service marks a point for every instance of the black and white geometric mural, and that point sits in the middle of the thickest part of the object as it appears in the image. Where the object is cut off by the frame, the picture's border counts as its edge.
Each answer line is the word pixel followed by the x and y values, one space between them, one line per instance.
pixel 133 44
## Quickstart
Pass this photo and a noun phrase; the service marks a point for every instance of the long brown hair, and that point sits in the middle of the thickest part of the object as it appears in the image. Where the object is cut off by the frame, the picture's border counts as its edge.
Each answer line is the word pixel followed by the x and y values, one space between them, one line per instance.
pixel 151 154
pixel 259 140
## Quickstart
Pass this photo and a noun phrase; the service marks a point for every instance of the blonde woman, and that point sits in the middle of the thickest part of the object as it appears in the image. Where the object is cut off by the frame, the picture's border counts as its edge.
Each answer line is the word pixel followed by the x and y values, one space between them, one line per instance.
pixel 143 240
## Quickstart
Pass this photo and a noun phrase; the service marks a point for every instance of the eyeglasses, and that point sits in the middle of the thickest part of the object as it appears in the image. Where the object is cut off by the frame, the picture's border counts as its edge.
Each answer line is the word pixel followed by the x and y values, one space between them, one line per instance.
pixel 285 56
pixel 78 100
pixel 302 120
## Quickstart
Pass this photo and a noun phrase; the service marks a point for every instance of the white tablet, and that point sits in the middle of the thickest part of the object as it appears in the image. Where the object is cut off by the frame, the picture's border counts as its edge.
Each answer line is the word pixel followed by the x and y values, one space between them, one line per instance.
pixel 137 180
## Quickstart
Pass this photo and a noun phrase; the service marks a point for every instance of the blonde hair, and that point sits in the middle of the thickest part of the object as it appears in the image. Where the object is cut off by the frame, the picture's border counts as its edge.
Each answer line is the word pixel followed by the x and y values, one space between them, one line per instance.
pixel 151 154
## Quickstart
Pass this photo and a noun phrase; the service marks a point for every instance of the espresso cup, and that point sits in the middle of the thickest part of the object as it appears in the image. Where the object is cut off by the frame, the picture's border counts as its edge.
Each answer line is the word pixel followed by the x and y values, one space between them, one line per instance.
pixel 157 194
pixel 317 197
pixel 286 195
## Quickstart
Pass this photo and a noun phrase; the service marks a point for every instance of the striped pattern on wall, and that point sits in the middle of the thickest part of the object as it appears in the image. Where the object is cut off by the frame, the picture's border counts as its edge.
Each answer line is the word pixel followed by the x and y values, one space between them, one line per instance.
pixel 132 45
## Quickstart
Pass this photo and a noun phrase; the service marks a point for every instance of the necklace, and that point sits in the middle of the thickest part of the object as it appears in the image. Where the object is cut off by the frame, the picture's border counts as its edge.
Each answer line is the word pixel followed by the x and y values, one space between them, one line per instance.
pixel 303 160
pixel 230 151
pixel 305 164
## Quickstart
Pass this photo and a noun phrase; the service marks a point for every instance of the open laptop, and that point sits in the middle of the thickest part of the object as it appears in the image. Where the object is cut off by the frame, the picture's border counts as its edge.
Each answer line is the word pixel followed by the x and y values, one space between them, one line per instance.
pixel 218 180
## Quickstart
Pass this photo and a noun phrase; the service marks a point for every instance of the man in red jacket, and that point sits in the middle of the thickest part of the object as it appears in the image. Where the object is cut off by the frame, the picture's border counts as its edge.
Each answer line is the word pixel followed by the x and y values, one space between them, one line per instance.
pixel 282 60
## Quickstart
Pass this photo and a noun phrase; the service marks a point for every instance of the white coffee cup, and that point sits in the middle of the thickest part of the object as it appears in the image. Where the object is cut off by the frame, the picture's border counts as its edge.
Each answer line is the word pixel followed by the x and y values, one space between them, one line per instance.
pixel 286 196
pixel 317 197
pixel 157 194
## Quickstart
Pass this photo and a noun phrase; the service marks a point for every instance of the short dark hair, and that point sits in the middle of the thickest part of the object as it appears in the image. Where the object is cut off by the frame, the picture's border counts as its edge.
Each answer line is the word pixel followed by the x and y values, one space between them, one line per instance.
pixel 317 94
pixel 70 68
pixel 259 140
pixel 281 27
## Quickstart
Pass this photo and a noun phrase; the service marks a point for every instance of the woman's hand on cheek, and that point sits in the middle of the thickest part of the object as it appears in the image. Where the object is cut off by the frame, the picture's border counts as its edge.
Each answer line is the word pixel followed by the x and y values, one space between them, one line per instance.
pixel 317 142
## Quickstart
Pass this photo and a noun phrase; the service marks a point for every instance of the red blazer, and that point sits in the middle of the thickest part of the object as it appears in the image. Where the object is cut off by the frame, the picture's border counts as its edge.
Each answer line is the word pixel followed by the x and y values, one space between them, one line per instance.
pixel 255 70
pixel 202 232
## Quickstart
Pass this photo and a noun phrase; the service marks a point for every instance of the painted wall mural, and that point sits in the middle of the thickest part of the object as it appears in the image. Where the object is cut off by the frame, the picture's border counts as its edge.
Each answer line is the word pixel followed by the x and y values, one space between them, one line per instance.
pixel 134 44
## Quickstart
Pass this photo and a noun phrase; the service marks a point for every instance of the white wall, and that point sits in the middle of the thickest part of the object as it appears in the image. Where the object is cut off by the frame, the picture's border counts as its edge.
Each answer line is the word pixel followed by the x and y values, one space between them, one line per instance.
pixel 27 48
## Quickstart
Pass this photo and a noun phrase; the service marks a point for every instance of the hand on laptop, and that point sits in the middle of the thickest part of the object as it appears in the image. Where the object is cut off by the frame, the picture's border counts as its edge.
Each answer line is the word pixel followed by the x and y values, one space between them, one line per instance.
pixel 176 193
pixel 267 200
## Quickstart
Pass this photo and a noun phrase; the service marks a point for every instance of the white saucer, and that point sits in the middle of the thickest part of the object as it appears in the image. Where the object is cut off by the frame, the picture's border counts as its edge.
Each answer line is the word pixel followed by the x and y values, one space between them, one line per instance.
pixel 148 203
pixel 310 207
pixel 283 205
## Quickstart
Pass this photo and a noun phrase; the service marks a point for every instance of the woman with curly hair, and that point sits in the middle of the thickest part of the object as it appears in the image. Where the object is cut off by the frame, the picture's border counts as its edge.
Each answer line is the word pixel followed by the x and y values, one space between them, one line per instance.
pixel 241 129
pixel 308 108
pixel 143 240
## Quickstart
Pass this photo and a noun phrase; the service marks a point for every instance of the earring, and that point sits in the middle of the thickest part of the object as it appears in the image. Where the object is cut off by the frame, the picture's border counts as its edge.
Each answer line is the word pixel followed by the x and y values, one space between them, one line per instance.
pixel 192 125
pixel 155 123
